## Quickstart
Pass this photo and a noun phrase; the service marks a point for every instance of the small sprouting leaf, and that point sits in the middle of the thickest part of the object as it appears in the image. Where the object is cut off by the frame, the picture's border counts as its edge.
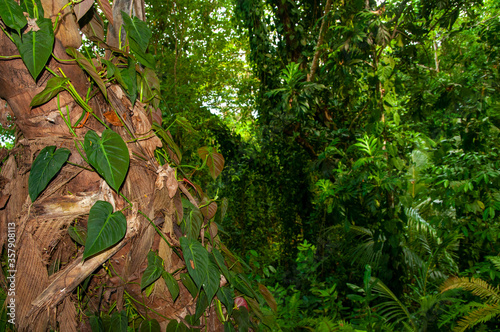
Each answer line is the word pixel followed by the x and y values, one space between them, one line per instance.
pixel 12 15
pixel 215 161
pixel 53 87
pixel 35 46
pixel 153 271
pixel 89 68
pixel 175 326
pixel 137 30
pixel 44 168
pixel 108 155
pixel 193 250
pixel 150 326
pixel 188 282
pixel 173 286
pixel 104 228
pixel 119 321
pixel 78 233
pixel 226 296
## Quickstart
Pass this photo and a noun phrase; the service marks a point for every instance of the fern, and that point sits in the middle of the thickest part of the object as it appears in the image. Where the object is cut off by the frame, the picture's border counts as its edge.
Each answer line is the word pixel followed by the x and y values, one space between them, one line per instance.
pixel 481 315
pixel 476 286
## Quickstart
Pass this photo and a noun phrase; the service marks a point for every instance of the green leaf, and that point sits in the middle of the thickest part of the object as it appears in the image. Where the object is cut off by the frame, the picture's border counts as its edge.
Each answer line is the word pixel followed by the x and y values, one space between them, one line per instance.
pixel 146 59
pixel 119 321
pixel 104 229
pixel 220 262
pixel 150 326
pixel 201 305
pixel 53 87
pixel 194 221
pixel 173 286
pixel 12 15
pixel 228 327
pixel 241 317
pixel 188 282
pixel 213 280
pixel 174 326
pixel 35 47
pixel 137 30
pixel 153 271
pixel 196 258
pixel 108 155
pixel 168 140
pixel 240 283
pixel 96 324
pixel 78 233
pixel 215 161
pixel 44 168
pixel 226 296
pixel 33 8
pixel 127 77
pixel 89 68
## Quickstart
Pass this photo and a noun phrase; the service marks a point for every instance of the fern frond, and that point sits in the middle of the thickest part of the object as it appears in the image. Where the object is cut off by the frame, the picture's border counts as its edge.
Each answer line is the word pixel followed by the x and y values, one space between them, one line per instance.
pixel 476 286
pixel 480 315
pixel 495 260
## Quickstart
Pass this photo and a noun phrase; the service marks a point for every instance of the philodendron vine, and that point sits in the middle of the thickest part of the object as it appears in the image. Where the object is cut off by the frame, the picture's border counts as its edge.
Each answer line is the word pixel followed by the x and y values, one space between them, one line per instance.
pixel 209 277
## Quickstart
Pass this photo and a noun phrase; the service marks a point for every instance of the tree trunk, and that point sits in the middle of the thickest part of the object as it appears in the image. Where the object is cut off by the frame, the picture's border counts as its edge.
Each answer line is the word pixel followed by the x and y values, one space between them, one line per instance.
pixel 44 295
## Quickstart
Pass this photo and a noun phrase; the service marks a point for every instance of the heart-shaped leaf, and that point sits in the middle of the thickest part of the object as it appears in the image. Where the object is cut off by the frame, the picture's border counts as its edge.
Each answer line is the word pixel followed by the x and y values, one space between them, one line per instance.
pixel 104 228
pixel 53 87
pixel 35 47
pixel 108 155
pixel 226 296
pixel 201 305
pixel 173 286
pixel 12 15
pixel 153 271
pixel 119 321
pixel 146 59
pixel 193 221
pixel 175 326
pixel 150 326
pixel 89 68
pixel 209 210
pixel 215 161
pixel 196 258
pixel 188 282
pixel 127 77
pixel 78 233
pixel 137 30
pixel 44 168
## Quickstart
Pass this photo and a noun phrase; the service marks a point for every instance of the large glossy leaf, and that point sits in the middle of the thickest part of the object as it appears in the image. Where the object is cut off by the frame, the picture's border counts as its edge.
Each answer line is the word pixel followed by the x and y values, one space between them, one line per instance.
pixel 33 8
pixel 226 296
pixel 215 161
pixel 104 228
pixel 53 87
pixel 173 286
pixel 12 15
pixel 78 233
pixel 137 30
pixel 196 258
pixel 213 281
pixel 89 68
pixel 150 326
pixel 119 321
pixel 108 155
pixel 35 47
pixel 44 168
pixel 153 271
pixel 146 59
pixel 193 222
pixel 127 77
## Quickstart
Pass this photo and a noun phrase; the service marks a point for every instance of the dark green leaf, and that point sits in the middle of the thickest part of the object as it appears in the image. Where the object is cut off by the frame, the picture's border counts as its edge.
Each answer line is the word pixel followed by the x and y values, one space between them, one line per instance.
pixel 241 317
pixel 168 140
pixel 201 305
pixel 150 326
pixel 35 47
pixel 228 327
pixel 215 161
pixel 137 30
pixel 213 281
pixel 188 282
pixel 146 59
pixel 173 286
pixel 174 326
pixel 12 15
pixel 104 229
pixel 33 8
pixel 96 324
pixel 226 296
pixel 53 87
pixel 119 322
pixel 108 155
pixel 196 258
pixel 153 271
pixel 78 233
pixel 44 168
pixel 240 283
pixel 194 221
pixel 220 262
pixel 127 77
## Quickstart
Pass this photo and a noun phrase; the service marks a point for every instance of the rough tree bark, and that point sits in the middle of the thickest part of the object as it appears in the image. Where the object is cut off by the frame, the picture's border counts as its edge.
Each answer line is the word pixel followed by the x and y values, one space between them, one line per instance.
pixel 45 301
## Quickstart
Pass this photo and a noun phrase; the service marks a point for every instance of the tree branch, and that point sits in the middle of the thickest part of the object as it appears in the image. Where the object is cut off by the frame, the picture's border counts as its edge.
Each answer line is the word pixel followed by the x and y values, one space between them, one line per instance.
pixel 314 65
